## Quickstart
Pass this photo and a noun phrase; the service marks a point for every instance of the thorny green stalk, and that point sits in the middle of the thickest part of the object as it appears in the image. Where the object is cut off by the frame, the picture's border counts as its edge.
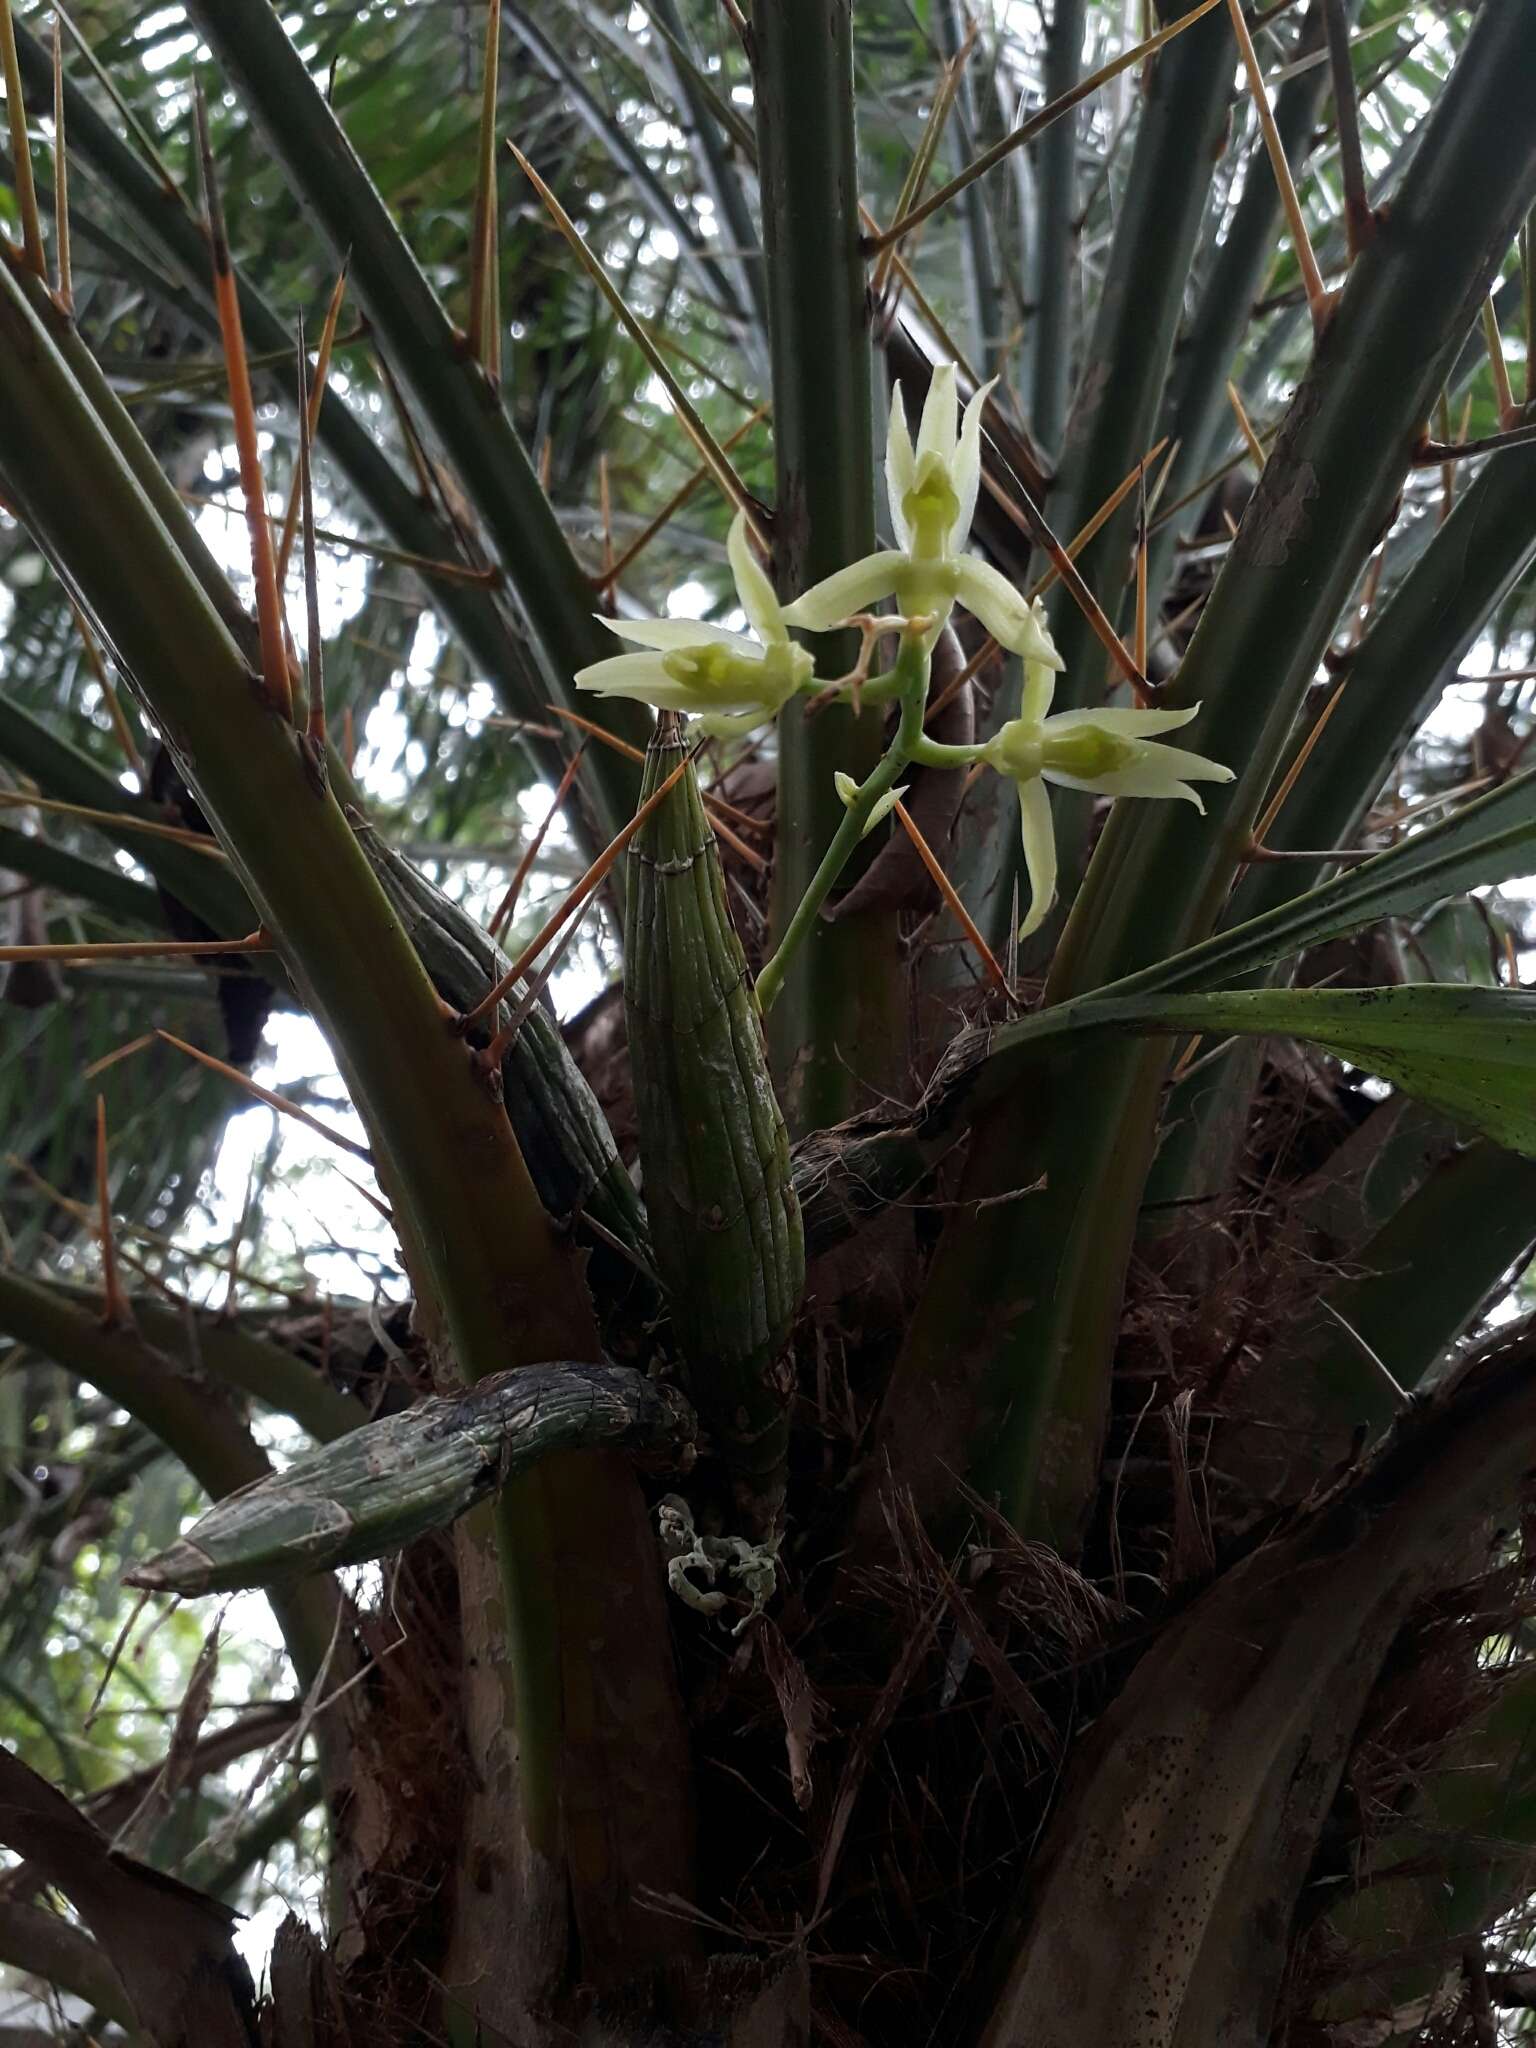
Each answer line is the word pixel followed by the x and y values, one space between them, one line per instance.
pixel 1394 678
pixel 1325 492
pixel 163 224
pixel 460 405
pixel 1037 123
pixel 842 1025
pixel 497 1283
pixel 1056 256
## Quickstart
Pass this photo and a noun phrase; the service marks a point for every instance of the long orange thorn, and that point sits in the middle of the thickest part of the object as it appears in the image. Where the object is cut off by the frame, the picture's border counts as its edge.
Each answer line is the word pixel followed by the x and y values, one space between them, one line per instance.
pixel 66 292
pixel 1510 414
pixel 311 414
pixel 730 484
pixel 1319 299
pixel 951 895
pixel 508 903
pixel 721 812
pixel 115 821
pixel 1107 510
pixel 1255 445
pixel 269 610
pixel 139 1230
pixel 120 1052
pixel 674 504
pixel 139 949
pixel 591 880
pixel 375 550
pixel 1272 810
pixel 537 982
pixel 267 1095
pixel 923 155
pixel 1034 126
pixel 593 730
pixel 1031 521
pixel 315 732
pixel 1155 496
pixel 21 147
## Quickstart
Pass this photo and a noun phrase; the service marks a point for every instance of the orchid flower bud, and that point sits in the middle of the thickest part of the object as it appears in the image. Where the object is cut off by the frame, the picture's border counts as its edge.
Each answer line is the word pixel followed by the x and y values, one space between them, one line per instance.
pixel 848 790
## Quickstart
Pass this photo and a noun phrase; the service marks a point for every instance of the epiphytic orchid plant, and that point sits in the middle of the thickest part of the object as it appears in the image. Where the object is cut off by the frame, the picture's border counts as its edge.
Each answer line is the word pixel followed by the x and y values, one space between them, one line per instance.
pixel 732 683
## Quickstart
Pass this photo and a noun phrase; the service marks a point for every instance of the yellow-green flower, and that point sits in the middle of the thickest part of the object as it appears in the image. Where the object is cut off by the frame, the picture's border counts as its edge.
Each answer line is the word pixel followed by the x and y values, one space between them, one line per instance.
pixel 1109 752
pixel 932 491
pixel 730 681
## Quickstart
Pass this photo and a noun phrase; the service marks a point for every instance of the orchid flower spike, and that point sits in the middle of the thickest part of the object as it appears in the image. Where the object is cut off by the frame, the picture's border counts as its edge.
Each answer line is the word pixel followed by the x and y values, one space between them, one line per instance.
pixel 931 488
pixel 1109 752
pixel 730 681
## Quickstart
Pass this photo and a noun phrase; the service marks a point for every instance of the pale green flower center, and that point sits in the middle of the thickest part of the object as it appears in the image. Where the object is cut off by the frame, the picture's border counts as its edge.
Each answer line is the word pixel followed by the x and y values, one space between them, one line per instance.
pixel 931 509
pixel 1086 752
pixel 716 670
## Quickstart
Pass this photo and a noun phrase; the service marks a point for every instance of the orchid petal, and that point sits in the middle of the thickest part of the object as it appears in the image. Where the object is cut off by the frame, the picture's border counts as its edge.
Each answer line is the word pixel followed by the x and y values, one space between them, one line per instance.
pixel 1157 772
pixel 900 468
pixel 723 725
pixel 641 676
pixel 667 634
pixel 1039 853
pixel 965 473
pixel 846 591
pixel 602 675
pixel 1188 767
pixel 1140 781
pixel 1124 722
pixel 1007 616
pixel 757 596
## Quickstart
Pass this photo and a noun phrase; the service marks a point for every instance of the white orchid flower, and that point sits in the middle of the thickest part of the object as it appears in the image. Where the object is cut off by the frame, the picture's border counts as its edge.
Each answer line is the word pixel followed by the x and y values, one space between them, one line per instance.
pixel 730 681
pixel 1109 752
pixel 932 490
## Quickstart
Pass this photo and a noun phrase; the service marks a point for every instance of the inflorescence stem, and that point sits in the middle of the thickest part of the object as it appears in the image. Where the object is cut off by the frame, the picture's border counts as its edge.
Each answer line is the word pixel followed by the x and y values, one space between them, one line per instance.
pixel 908 682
